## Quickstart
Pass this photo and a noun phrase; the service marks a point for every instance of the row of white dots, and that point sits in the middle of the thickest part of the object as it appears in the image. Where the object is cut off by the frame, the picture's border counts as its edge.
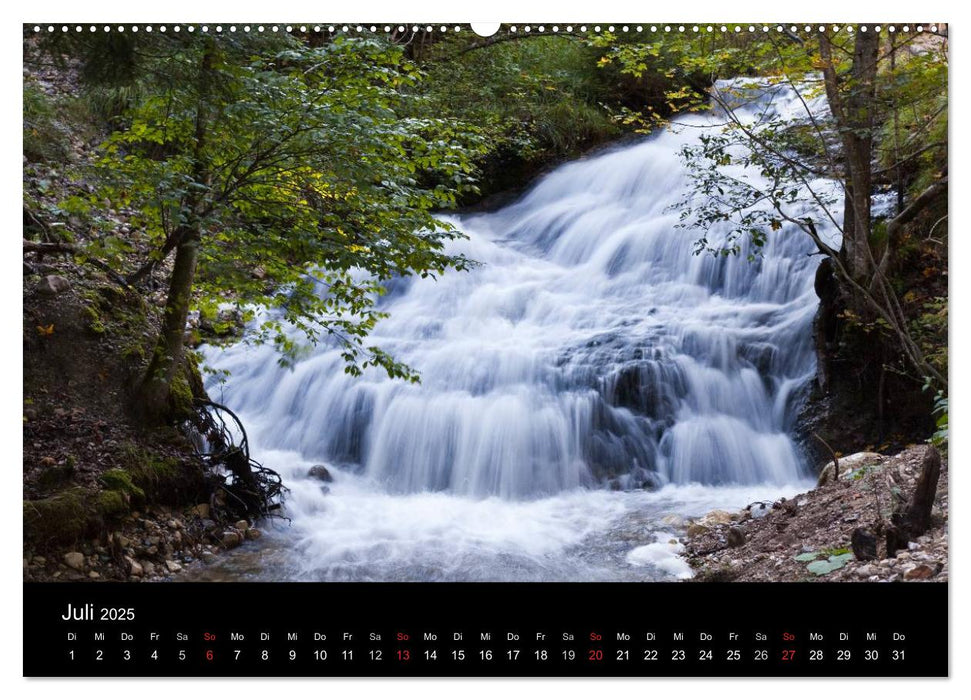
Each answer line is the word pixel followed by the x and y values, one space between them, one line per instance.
pixel 513 29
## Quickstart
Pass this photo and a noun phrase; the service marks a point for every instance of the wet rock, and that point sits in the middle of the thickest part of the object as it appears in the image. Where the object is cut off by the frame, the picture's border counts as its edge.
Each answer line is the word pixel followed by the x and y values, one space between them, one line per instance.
pixel 758 510
pixel 231 538
pixel 673 520
pixel 52 285
pixel 717 517
pixel 94 574
pixel 319 471
pixel 201 510
pixel 75 560
pixel 241 525
pixel 696 530
pixel 253 534
pixel 173 566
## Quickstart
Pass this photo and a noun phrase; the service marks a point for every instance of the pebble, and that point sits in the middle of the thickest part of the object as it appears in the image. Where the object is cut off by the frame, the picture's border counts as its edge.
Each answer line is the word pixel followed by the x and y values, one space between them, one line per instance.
pixel 919 572
pixel 53 285
pixel 231 538
pixel 75 560
pixel 134 568
pixel 173 566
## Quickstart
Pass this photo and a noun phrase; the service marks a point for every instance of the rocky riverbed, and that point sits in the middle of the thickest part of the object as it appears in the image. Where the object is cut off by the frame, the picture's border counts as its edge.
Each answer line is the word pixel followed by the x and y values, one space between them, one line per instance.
pixel 150 545
pixel 808 537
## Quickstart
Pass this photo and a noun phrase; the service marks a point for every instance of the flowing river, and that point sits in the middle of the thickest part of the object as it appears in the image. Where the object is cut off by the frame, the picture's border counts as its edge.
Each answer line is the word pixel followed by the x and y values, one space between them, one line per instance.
pixel 588 386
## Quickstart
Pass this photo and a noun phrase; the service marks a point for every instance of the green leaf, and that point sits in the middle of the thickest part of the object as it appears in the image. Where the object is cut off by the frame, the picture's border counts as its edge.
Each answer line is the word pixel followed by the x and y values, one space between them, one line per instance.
pixel 821 568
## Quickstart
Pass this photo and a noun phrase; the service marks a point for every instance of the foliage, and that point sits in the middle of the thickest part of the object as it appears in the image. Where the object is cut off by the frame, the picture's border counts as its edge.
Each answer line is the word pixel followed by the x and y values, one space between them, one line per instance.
pixel 536 100
pixel 775 173
pixel 836 558
pixel 45 137
pixel 829 565
pixel 306 181
pixel 940 436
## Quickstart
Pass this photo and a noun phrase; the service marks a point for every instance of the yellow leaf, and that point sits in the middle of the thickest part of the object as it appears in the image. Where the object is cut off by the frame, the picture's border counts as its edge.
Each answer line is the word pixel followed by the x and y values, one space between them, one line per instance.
pixel 46 330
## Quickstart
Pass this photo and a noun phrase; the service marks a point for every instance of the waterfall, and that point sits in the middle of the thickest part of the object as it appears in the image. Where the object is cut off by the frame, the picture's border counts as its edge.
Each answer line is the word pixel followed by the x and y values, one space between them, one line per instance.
pixel 591 348
pixel 590 383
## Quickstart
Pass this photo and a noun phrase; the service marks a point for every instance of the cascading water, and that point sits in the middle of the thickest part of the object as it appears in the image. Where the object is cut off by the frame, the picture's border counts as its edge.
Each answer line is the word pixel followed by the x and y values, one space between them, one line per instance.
pixel 592 375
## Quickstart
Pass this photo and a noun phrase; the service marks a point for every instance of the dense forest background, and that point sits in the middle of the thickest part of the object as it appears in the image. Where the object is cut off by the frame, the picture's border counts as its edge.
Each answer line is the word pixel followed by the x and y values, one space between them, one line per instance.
pixel 173 182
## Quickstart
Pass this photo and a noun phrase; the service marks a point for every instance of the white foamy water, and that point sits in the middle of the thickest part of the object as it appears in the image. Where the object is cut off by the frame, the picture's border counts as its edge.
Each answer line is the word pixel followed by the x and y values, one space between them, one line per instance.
pixel 592 354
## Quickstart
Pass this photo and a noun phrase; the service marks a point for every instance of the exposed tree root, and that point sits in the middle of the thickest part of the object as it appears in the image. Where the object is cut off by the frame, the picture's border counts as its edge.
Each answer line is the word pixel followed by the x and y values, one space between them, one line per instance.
pixel 248 489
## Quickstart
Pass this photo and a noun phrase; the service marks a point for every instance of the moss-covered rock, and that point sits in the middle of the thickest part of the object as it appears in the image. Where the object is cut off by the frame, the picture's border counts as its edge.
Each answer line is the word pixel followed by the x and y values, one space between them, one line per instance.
pixel 60 519
pixel 121 481
pixel 113 503
pixel 163 478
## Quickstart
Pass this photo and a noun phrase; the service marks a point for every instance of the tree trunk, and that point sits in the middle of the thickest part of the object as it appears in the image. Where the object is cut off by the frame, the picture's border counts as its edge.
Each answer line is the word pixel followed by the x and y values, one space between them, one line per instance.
pixel 852 107
pixel 159 397
pixel 155 396
pixel 914 519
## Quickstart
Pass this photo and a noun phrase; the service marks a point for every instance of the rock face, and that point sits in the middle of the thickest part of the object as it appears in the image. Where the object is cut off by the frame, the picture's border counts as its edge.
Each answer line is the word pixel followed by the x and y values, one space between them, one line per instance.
pixel 52 285
pixel 319 471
